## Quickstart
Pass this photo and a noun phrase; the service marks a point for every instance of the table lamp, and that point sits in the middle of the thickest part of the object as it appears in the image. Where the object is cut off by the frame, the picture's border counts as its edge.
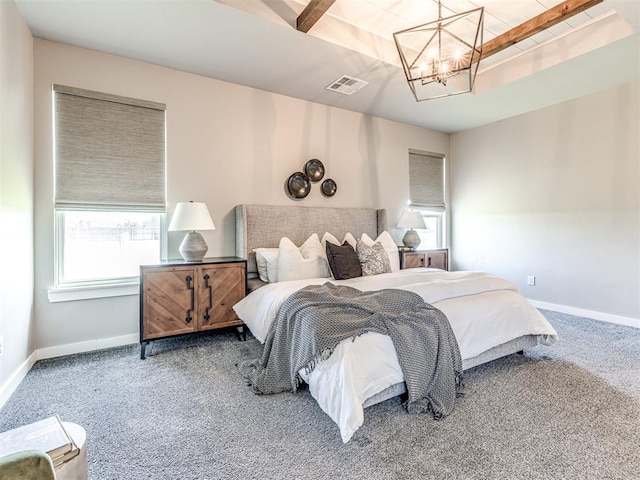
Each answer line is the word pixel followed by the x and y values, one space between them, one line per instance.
pixel 411 220
pixel 192 216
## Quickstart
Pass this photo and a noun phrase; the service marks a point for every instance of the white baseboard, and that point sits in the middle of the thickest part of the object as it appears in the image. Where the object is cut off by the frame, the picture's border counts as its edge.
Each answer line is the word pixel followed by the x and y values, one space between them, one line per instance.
pixel 89 346
pixel 580 312
pixel 69 349
pixel 7 389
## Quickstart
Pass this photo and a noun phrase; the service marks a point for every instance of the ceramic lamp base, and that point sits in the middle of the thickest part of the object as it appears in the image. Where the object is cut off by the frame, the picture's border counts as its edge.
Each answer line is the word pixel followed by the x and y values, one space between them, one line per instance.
pixel 411 239
pixel 193 247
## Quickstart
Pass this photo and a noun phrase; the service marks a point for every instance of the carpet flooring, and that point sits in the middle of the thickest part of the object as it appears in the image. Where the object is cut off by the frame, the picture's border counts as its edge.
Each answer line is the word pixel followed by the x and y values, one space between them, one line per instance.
pixel 570 411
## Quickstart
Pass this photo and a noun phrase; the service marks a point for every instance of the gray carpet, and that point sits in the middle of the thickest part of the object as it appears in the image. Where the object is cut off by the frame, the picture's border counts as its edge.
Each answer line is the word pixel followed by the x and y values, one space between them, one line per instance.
pixel 571 411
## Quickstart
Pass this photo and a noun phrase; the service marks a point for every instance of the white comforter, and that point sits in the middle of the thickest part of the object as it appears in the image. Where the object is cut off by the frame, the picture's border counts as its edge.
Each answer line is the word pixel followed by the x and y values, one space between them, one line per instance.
pixel 484 311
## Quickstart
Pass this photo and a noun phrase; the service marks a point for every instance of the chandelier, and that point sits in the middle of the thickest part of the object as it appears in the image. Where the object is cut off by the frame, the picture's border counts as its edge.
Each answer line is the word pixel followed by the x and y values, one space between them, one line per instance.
pixel 441 58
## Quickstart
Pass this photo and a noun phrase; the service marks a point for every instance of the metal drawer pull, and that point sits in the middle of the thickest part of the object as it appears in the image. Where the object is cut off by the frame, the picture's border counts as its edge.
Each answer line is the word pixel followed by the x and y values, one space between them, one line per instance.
pixel 206 285
pixel 189 279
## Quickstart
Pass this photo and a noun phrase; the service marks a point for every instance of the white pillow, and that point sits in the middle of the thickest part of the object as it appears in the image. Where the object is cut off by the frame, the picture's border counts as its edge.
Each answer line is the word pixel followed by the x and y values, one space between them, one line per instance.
pixel 266 260
pixel 350 239
pixel 327 237
pixel 307 261
pixel 311 247
pixel 389 246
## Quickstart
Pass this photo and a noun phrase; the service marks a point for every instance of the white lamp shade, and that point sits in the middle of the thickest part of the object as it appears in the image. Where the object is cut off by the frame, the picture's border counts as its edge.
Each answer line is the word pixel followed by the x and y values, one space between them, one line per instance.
pixel 410 219
pixel 190 216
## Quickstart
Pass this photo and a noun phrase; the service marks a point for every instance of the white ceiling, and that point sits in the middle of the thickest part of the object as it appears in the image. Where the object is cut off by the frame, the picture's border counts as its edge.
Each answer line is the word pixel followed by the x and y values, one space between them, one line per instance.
pixel 254 43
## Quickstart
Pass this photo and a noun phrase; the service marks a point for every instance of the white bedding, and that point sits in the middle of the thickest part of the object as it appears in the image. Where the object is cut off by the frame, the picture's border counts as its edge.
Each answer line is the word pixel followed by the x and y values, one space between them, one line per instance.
pixel 484 311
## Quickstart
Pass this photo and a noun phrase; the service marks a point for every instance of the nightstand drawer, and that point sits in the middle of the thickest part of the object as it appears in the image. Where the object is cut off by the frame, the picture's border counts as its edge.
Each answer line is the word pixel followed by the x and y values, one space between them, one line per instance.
pixel 425 258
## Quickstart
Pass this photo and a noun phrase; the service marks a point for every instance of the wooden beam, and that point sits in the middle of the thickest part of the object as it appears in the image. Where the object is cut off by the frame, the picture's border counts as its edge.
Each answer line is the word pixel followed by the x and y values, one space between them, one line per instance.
pixel 312 13
pixel 551 17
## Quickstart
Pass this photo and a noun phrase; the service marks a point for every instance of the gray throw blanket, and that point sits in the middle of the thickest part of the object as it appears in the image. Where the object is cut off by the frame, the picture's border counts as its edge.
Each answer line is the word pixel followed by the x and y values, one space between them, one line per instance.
pixel 313 320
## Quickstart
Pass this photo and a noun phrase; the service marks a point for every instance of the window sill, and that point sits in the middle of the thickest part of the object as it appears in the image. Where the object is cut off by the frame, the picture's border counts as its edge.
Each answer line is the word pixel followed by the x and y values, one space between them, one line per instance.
pixel 69 294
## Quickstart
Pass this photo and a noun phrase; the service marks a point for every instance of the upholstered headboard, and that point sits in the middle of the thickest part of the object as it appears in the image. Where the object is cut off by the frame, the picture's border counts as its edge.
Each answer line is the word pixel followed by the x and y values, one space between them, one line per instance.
pixel 264 225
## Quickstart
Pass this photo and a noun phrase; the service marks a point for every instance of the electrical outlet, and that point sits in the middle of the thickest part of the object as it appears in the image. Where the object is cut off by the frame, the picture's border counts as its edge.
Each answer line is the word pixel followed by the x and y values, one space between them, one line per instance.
pixel 531 280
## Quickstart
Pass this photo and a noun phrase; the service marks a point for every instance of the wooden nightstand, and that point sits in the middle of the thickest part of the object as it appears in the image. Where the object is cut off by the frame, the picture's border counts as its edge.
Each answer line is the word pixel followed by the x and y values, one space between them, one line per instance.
pixel 438 258
pixel 177 297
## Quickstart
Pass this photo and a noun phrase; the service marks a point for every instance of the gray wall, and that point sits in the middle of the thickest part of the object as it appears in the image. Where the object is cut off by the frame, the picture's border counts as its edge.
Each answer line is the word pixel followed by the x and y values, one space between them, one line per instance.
pixel 16 194
pixel 227 144
pixel 528 194
pixel 554 193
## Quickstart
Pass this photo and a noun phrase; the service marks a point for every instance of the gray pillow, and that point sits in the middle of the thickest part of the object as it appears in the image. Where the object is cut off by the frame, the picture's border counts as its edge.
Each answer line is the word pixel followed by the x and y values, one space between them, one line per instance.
pixel 343 261
pixel 373 259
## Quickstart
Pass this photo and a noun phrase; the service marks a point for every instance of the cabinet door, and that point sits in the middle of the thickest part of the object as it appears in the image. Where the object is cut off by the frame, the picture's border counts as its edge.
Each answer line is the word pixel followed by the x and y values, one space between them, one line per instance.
pixel 220 288
pixel 168 302
pixel 413 260
pixel 436 259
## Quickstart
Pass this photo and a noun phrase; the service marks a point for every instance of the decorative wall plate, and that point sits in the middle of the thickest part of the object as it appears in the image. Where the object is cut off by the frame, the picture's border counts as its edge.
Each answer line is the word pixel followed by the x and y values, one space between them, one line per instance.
pixel 314 170
pixel 329 187
pixel 298 185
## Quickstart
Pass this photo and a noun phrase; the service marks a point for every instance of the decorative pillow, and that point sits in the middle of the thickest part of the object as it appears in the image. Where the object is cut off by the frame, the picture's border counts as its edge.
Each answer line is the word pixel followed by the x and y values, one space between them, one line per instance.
pixel 327 237
pixel 311 247
pixel 373 259
pixel 348 237
pixel 389 245
pixel 343 261
pixel 299 263
pixel 266 260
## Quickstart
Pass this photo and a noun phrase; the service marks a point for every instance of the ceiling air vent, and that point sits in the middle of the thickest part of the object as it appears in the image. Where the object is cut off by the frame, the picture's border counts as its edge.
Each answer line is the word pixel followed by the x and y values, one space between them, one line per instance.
pixel 346 85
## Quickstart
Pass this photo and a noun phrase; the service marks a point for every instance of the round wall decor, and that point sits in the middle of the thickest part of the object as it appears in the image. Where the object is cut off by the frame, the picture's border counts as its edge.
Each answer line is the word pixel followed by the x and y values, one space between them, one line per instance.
pixel 329 187
pixel 298 185
pixel 314 170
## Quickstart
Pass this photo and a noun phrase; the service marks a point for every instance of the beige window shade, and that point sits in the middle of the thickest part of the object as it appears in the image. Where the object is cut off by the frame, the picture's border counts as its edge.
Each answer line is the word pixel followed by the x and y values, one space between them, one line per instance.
pixel 109 152
pixel 426 180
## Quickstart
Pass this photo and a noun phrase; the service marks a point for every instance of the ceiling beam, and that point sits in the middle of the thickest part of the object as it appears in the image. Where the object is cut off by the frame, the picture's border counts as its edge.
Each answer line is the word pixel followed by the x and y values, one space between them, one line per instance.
pixel 547 19
pixel 312 13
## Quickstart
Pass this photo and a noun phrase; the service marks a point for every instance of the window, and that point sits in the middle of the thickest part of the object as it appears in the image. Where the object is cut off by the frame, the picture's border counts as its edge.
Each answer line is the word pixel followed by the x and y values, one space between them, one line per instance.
pixel 427 194
pixel 116 243
pixel 109 184
pixel 433 237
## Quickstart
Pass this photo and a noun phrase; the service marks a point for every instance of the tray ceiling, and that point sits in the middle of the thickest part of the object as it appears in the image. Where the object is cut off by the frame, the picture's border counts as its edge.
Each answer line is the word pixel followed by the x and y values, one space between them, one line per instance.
pixel 255 43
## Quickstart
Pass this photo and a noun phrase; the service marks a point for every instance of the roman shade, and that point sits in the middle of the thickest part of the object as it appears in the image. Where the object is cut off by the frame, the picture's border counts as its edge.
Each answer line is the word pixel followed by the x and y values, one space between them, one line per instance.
pixel 426 180
pixel 109 152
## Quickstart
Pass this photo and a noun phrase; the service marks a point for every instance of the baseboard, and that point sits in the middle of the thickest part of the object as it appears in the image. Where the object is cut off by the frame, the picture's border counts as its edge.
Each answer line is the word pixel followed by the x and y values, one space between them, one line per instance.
pixel 69 349
pixel 7 389
pixel 580 312
pixel 89 346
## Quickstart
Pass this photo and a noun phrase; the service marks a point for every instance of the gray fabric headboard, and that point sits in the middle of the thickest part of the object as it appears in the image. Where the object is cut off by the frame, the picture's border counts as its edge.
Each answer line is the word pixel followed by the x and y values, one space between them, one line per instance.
pixel 264 225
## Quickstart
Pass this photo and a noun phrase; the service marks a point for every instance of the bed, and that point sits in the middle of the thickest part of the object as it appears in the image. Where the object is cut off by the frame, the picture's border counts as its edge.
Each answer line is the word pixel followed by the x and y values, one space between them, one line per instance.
pixel 489 317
